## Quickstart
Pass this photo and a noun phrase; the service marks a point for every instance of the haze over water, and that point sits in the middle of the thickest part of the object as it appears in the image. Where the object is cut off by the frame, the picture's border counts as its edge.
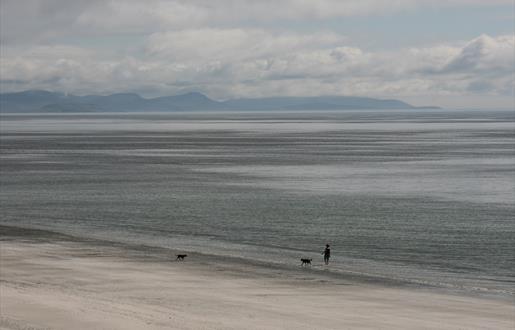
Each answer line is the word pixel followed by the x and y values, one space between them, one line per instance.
pixel 425 196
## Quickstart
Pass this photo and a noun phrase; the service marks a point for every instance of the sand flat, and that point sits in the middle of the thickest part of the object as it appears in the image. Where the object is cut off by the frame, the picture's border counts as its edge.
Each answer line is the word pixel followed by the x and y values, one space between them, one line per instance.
pixel 73 285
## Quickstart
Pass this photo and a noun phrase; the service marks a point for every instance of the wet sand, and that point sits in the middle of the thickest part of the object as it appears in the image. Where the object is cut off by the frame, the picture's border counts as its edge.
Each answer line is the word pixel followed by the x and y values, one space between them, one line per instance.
pixel 64 284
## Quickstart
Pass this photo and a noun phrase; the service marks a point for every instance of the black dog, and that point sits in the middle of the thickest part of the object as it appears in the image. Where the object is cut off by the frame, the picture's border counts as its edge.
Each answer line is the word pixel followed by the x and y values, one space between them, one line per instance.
pixel 181 257
pixel 305 261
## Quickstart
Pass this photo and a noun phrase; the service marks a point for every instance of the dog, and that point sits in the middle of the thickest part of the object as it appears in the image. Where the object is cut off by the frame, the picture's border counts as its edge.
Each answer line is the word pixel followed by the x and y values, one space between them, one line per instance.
pixel 305 261
pixel 180 257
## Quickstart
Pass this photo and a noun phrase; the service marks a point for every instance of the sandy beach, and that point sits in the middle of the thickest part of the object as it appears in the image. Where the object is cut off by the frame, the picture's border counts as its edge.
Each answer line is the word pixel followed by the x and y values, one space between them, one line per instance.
pixel 61 284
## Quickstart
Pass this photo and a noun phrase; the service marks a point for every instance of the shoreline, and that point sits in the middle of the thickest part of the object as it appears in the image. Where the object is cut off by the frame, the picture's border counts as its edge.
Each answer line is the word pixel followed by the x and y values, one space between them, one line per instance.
pixel 57 281
pixel 163 254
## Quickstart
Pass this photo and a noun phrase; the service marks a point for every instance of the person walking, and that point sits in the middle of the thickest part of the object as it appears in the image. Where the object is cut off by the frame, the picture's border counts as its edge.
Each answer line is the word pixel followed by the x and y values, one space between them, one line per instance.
pixel 327 254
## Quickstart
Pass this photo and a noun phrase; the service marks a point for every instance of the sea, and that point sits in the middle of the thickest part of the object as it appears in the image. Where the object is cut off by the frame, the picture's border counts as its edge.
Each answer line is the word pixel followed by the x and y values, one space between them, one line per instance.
pixel 420 196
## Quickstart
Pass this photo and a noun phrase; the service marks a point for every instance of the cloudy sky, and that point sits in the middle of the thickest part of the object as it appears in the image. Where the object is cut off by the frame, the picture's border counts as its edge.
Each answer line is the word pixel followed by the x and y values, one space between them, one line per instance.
pixel 453 53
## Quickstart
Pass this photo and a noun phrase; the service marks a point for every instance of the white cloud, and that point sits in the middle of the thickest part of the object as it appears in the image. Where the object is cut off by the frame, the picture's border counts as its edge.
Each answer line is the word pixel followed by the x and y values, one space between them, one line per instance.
pixel 485 54
pixel 230 48
pixel 259 63
pixel 232 44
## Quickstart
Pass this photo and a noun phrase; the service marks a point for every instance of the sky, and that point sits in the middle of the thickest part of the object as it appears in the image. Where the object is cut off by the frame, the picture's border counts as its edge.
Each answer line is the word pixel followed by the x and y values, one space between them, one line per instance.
pixel 449 53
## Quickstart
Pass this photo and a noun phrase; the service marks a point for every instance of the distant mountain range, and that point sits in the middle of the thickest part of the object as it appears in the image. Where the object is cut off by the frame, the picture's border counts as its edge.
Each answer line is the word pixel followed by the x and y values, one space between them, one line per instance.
pixel 44 101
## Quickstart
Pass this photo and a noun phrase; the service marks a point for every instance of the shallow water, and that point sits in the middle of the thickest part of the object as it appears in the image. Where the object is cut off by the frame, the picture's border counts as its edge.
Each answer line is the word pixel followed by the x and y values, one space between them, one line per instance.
pixel 425 196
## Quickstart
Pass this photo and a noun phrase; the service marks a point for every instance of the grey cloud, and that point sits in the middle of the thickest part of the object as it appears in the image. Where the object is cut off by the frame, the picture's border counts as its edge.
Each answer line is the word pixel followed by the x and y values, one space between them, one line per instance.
pixel 306 70
pixel 484 54
pixel 480 86
pixel 13 82
pixel 40 20
pixel 52 20
pixel 221 48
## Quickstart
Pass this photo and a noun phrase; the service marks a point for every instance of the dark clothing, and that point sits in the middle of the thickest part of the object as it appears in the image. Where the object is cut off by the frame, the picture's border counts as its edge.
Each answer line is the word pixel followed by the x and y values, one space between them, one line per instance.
pixel 327 255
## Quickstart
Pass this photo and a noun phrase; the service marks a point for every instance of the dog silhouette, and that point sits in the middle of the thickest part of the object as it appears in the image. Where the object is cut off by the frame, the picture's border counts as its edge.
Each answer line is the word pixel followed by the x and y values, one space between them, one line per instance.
pixel 305 261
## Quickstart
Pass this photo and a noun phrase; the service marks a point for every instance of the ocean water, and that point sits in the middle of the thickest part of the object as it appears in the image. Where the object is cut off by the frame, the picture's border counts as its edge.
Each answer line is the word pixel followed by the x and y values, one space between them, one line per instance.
pixel 422 196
